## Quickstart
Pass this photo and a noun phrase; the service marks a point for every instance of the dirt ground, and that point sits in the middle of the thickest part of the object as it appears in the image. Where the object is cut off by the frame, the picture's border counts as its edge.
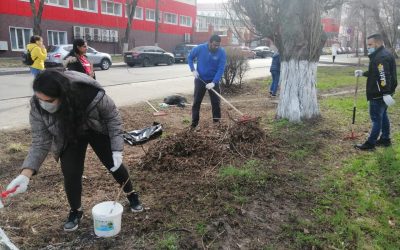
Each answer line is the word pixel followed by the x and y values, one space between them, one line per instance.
pixel 177 177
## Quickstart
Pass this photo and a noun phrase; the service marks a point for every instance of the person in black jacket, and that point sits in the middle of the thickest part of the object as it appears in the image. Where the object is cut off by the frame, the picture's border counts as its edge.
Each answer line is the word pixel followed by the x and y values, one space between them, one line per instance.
pixel 77 60
pixel 381 84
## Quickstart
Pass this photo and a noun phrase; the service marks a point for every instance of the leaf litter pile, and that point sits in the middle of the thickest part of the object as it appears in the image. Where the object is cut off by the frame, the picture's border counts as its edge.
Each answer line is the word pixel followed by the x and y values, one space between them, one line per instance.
pixel 200 149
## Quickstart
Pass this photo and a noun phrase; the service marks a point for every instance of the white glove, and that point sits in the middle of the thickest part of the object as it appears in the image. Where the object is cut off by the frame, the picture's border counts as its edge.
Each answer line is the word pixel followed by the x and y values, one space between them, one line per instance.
pixel 195 74
pixel 210 85
pixel 358 72
pixel 388 99
pixel 21 182
pixel 117 159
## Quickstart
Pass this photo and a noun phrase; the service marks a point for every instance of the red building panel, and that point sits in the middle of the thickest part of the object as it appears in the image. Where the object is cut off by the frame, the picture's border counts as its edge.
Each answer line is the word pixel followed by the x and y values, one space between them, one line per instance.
pixel 22 8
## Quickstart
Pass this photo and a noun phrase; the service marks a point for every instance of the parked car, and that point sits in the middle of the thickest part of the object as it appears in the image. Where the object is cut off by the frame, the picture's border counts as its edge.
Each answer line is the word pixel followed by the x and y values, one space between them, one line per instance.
pixel 182 51
pixel 243 50
pixel 327 50
pixel 247 52
pixel 148 55
pixel 263 51
pixel 350 50
pixel 57 53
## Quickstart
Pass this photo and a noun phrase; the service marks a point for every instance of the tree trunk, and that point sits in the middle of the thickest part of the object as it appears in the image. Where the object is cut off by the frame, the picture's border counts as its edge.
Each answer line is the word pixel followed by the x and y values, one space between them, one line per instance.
pixel 298 94
pixel 157 24
pixel 131 12
pixel 302 41
pixel 37 16
pixel 382 30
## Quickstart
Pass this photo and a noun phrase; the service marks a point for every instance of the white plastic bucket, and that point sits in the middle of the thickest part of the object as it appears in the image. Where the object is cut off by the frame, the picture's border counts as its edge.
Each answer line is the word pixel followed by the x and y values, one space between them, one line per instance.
pixel 107 218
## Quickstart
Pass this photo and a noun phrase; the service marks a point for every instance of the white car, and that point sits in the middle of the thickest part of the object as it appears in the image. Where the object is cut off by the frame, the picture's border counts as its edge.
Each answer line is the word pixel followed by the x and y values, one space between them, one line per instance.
pixel 57 53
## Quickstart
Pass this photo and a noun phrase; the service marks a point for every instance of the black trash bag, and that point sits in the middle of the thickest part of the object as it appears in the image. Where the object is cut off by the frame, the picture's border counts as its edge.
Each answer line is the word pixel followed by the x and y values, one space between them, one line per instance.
pixel 136 137
pixel 177 100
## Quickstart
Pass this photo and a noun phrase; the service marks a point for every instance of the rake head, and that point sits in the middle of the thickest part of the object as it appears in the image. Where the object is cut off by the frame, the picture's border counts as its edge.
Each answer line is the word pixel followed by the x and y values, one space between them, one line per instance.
pixel 352 136
pixel 246 118
pixel 160 113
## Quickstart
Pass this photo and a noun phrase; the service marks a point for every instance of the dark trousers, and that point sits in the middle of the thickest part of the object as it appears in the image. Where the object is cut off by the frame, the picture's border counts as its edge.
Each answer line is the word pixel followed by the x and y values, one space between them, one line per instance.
pixel 199 92
pixel 72 165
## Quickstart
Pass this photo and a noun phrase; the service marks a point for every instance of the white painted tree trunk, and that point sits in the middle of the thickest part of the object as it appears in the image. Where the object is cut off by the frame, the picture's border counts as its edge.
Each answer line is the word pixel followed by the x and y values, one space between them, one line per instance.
pixel 298 94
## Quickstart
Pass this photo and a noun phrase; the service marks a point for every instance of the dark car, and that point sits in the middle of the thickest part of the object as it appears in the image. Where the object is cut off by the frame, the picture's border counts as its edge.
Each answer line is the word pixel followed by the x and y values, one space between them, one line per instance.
pixel 263 51
pixel 148 55
pixel 182 51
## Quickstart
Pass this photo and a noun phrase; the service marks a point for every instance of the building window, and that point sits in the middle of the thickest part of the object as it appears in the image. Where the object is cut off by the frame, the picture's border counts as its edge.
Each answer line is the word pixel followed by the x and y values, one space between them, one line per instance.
pixel 96 34
pixel 19 38
pixel 56 37
pixel 185 21
pixel 138 12
pixel 86 5
pixel 59 3
pixel 170 18
pixel 111 8
pixel 150 15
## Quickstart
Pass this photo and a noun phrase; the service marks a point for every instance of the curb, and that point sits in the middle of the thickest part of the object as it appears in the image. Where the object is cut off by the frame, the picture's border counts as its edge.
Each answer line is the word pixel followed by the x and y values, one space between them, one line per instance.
pixel 26 71
pixel 15 72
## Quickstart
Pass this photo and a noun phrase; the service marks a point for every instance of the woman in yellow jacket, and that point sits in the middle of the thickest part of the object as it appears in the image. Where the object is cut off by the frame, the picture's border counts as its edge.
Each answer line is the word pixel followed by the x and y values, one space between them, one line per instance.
pixel 38 53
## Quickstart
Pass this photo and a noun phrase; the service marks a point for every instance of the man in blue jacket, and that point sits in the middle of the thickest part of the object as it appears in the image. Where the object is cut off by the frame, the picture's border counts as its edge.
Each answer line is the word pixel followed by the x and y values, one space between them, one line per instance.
pixel 275 72
pixel 211 59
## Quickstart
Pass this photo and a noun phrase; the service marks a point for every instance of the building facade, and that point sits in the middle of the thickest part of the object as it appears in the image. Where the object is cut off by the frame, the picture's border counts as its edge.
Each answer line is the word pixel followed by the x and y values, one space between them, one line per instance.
pixel 214 19
pixel 101 22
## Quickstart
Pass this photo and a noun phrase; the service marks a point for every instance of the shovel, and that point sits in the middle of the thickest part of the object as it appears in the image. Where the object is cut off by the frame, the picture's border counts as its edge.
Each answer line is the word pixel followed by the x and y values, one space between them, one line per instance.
pixel 352 136
pixel 243 118
pixel 157 113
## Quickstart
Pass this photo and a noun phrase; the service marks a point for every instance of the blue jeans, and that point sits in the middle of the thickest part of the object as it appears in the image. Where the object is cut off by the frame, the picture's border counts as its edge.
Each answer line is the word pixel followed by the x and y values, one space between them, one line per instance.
pixel 379 119
pixel 275 81
pixel 34 71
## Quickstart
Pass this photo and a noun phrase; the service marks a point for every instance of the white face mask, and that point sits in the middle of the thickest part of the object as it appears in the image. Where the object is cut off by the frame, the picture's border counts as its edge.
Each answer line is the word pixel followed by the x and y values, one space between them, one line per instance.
pixel 49 107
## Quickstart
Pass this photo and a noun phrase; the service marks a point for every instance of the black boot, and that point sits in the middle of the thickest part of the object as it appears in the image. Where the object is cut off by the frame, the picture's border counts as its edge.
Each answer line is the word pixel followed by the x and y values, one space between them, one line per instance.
pixel 134 202
pixel 365 146
pixel 383 142
pixel 73 220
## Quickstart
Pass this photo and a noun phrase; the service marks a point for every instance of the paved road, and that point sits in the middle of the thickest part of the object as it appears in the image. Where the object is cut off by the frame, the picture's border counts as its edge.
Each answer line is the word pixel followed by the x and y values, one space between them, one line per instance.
pixel 125 85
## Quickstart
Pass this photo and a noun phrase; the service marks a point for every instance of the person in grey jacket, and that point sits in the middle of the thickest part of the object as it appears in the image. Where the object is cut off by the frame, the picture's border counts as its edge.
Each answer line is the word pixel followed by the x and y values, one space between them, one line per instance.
pixel 70 110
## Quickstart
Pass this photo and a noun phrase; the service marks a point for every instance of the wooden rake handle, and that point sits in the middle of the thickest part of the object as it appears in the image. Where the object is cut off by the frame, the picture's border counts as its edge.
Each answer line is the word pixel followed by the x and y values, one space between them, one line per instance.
pixel 220 96
pixel 152 106
pixel 227 102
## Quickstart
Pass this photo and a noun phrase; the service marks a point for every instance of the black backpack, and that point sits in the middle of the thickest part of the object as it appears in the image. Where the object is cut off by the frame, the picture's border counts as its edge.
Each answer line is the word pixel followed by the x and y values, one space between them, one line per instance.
pixel 27 58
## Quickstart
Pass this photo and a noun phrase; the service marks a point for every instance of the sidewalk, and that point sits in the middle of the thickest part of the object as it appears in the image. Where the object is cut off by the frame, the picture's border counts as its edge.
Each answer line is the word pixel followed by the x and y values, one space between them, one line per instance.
pixel 324 59
pixel 25 70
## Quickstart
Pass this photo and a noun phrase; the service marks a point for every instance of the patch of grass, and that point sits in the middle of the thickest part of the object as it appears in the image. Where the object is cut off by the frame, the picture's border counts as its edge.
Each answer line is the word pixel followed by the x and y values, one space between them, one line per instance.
pixel 361 202
pixel 343 107
pixel 11 62
pixel 335 76
pixel 117 58
pixel 246 175
pixel 186 121
pixel 299 154
pixel 16 147
pixel 201 228
pixel 229 209
pixel 169 242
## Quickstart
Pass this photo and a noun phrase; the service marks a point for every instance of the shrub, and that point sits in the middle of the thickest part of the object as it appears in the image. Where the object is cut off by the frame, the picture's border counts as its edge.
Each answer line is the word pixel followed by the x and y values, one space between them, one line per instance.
pixel 235 68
